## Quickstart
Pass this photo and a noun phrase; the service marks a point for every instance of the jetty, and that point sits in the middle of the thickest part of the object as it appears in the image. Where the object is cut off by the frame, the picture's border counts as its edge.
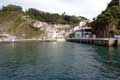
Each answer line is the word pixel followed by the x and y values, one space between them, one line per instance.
pixel 84 34
pixel 96 41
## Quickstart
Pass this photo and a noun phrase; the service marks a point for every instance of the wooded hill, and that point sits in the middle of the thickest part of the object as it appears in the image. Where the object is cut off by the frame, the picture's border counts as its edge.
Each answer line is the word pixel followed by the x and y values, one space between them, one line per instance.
pixel 15 21
pixel 107 24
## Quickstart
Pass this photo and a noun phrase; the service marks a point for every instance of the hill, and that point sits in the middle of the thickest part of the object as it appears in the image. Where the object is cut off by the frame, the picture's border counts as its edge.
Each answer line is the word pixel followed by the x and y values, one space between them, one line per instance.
pixel 107 24
pixel 14 21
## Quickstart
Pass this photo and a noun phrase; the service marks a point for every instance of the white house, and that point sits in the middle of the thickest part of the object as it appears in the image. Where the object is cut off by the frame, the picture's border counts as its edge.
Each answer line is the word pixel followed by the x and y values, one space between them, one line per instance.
pixel 84 22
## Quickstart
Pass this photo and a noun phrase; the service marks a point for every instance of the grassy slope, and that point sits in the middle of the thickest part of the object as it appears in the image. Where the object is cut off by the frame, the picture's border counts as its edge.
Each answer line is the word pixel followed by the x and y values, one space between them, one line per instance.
pixel 16 23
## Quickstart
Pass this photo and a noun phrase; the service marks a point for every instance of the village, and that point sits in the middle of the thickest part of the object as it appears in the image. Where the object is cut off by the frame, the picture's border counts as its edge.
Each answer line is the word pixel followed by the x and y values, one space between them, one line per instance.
pixel 49 31
pixel 56 31
pixel 82 33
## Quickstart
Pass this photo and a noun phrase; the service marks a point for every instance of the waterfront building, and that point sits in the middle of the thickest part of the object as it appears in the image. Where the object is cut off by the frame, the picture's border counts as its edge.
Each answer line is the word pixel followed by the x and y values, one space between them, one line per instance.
pixel 7 37
pixel 51 33
pixel 41 25
pixel 81 32
pixel 84 22
pixel 84 32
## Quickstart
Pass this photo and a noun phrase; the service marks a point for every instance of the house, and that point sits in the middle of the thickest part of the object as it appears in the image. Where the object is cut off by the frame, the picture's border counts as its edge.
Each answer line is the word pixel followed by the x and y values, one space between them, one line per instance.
pixel 51 33
pixel 84 22
pixel 40 25
pixel 81 32
pixel 84 32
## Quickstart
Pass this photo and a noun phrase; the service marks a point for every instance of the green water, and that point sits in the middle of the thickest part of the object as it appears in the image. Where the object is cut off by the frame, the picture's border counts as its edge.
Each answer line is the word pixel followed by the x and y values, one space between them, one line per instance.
pixel 58 61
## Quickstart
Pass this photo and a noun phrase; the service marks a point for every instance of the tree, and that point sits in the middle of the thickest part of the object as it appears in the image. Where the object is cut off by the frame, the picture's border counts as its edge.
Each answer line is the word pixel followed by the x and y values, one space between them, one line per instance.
pixel 11 8
pixel 52 18
pixel 113 3
pixel 109 19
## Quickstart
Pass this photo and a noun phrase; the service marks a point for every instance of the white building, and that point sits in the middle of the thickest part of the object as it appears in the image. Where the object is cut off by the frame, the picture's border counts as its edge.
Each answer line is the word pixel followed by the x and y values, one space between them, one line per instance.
pixel 84 22
pixel 40 25
pixel 51 33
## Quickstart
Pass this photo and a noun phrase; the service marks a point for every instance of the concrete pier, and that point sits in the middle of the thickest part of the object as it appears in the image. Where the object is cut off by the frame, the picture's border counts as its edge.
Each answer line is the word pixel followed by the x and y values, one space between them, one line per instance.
pixel 96 41
pixel 29 40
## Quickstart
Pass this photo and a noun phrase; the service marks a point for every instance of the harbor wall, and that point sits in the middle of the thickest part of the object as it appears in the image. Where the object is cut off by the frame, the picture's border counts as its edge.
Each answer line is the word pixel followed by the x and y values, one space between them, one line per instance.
pixel 97 41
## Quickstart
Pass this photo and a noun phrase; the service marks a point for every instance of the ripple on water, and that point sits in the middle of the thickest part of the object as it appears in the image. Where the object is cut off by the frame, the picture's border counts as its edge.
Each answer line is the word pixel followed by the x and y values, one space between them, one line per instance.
pixel 58 61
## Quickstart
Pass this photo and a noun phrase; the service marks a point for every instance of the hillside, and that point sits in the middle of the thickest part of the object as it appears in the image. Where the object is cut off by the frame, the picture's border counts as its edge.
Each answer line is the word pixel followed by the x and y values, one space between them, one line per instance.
pixel 14 21
pixel 54 18
pixel 107 24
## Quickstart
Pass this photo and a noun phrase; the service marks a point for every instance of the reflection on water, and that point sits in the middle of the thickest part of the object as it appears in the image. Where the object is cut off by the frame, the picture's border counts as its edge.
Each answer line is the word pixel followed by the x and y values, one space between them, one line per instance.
pixel 58 61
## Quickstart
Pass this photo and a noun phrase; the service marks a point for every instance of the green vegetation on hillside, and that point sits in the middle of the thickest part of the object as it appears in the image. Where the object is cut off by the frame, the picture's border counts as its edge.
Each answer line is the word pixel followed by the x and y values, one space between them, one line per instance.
pixel 11 8
pixel 53 18
pixel 109 19
pixel 113 3
pixel 15 21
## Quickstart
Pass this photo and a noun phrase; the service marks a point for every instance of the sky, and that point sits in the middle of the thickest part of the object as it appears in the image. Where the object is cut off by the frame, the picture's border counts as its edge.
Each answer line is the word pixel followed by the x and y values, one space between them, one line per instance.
pixel 86 8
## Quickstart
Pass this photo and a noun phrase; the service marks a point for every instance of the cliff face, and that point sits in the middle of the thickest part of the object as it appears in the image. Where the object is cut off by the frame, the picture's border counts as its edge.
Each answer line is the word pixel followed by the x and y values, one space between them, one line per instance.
pixel 108 22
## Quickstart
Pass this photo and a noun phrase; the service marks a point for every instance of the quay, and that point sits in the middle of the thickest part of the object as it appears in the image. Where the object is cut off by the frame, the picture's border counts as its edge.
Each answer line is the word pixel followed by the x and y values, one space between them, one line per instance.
pixel 109 42
pixel 29 40
pixel 84 34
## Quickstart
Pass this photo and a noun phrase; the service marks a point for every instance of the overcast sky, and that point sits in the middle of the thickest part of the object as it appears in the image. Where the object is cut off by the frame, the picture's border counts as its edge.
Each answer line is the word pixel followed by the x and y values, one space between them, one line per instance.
pixel 86 8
